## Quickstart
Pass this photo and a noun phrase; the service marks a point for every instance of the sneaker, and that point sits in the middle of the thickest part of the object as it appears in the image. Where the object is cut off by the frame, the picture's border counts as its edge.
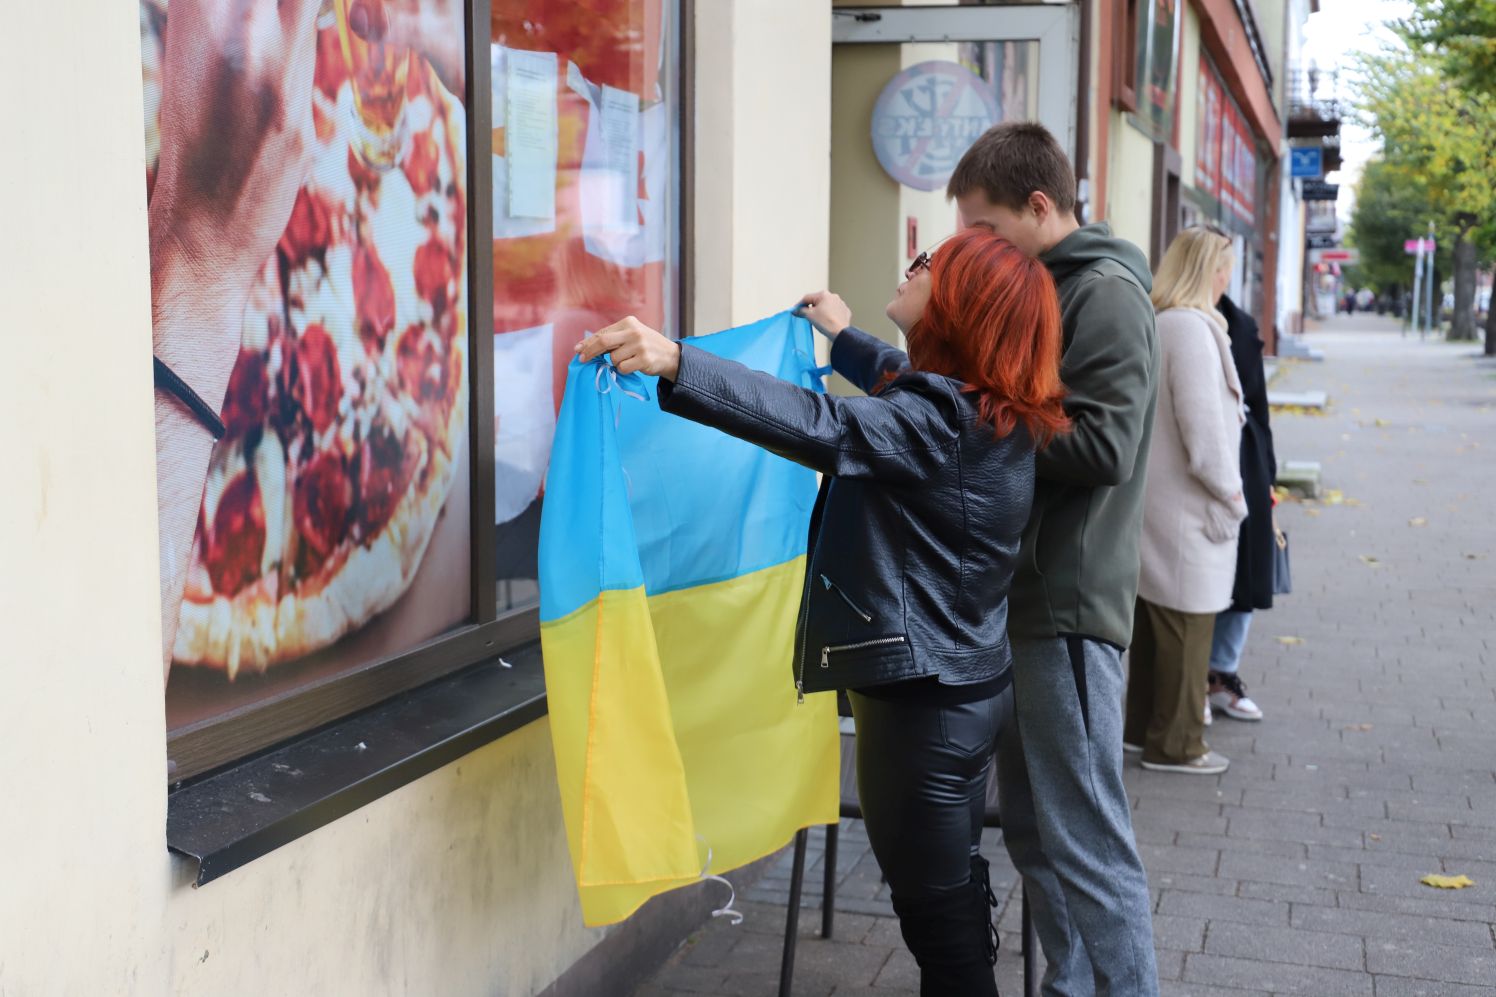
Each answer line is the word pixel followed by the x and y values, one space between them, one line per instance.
pixel 1209 717
pixel 1131 749
pixel 1209 763
pixel 1229 695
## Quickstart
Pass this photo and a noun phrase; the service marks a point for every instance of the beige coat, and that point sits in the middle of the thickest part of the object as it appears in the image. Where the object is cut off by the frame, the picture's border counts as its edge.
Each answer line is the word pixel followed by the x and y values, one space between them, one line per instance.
pixel 1193 507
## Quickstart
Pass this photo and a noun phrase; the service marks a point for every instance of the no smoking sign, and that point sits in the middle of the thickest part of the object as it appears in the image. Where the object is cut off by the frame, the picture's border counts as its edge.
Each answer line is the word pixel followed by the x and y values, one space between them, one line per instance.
pixel 926 118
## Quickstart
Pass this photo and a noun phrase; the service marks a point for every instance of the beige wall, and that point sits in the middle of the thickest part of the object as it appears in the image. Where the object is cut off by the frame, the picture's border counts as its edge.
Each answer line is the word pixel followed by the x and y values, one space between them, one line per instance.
pixel 1189 93
pixel 456 884
pixel 1129 196
pixel 762 178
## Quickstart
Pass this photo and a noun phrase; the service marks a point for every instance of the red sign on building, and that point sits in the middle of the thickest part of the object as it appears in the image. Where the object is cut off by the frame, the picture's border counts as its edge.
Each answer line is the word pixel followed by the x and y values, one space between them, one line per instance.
pixel 1225 155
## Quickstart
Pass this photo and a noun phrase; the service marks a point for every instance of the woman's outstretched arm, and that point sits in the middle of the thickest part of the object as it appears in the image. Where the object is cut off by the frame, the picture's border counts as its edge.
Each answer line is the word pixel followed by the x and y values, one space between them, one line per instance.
pixel 903 436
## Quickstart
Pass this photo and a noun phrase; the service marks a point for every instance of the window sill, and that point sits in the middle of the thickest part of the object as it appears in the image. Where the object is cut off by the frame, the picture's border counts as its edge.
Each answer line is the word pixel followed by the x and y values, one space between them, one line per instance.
pixel 227 820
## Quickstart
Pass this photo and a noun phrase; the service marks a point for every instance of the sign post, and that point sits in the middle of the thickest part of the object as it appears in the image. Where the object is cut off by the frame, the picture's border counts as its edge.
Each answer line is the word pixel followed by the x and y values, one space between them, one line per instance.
pixel 1419 248
pixel 1415 311
pixel 1428 280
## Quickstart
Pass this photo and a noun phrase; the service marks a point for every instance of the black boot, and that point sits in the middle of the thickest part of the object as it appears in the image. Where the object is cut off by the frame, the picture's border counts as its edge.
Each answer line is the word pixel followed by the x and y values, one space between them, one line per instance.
pixel 950 935
pixel 986 900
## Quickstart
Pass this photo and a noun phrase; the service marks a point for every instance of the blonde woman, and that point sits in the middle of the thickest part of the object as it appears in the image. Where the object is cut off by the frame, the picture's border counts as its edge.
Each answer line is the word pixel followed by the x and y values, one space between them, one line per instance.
pixel 1192 509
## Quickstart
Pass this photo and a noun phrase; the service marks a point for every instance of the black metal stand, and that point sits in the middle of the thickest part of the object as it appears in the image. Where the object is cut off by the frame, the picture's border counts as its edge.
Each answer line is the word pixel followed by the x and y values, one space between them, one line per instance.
pixel 792 917
pixel 828 889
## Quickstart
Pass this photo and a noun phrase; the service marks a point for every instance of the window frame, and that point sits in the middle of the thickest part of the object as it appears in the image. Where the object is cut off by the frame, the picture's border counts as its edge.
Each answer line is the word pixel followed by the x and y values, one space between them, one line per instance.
pixel 209 746
pixel 1125 57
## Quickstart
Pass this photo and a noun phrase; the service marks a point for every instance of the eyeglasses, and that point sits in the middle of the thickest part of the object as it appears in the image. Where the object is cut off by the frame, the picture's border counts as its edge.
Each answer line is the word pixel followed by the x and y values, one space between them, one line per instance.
pixel 921 262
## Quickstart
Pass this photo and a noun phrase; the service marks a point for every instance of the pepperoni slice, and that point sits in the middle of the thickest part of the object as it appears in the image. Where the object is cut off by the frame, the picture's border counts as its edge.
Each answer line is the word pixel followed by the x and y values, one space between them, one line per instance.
pixel 385 472
pixel 319 384
pixel 435 275
pixel 319 507
pixel 309 232
pixel 420 364
pixel 232 553
pixel 248 397
pixel 373 298
pixel 421 164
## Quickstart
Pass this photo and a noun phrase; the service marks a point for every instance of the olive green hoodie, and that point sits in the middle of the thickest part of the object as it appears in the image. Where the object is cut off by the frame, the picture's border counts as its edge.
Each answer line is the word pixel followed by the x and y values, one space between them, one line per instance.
pixel 1078 567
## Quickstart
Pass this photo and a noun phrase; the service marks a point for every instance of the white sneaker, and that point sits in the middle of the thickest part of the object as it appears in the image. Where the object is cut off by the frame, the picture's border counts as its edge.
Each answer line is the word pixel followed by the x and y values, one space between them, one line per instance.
pixel 1131 749
pixel 1209 718
pixel 1209 763
pixel 1229 695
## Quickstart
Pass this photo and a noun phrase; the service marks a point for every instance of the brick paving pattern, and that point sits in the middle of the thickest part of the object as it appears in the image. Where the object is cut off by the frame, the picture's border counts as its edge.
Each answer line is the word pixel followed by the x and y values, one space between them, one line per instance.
pixel 1296 872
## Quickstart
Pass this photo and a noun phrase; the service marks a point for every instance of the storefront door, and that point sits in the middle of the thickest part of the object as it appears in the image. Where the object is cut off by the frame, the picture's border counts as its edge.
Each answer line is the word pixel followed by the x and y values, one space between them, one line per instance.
pixel 911 89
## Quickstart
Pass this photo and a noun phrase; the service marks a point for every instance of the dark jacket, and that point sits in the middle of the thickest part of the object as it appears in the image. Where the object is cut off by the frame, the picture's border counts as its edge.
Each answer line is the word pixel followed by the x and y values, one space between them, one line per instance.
pixel 916 528
pixel 1259 465
pixel 1078 573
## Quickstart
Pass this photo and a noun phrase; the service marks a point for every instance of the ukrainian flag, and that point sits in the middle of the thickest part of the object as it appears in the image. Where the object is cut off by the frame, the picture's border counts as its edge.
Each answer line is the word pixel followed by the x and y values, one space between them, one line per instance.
pixel 672 558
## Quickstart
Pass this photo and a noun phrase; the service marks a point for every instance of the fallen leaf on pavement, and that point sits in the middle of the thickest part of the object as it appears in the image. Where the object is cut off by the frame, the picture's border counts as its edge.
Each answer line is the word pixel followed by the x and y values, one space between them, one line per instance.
pixel 1311 512
pixel 1383 422
pixel 1358 727
pixel 1290 641
pixel 1418 521
pixel 1333 497
pixel 1352 501
pixel 1369 561
pixel 1375 837
pixel 1447 882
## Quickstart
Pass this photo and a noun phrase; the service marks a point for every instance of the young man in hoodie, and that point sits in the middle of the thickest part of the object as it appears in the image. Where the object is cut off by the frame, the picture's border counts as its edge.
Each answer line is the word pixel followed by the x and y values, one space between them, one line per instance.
pixel 1066 819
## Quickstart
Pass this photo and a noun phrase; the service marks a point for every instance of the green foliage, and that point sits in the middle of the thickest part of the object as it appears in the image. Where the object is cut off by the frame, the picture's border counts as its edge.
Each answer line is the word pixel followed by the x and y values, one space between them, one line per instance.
pixel 1393 204
pixel 1438 158
pixel 1463 35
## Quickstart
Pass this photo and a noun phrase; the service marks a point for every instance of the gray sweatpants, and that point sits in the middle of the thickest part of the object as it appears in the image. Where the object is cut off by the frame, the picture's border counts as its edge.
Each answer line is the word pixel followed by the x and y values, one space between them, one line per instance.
pixel 1067 823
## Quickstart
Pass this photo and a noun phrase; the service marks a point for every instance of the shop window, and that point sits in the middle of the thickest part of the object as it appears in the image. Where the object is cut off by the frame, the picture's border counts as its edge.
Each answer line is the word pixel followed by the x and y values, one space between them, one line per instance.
pixel 586 135
pixel 389 372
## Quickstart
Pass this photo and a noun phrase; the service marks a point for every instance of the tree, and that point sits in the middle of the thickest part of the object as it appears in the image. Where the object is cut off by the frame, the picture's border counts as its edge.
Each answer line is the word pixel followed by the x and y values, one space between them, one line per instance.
pixel 1442 138
pixel 1463 33
pixel 1393 204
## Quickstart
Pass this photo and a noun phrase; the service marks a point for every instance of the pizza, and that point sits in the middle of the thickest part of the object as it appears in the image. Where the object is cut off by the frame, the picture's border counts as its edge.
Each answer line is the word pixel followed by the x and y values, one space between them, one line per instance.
pixel 347 408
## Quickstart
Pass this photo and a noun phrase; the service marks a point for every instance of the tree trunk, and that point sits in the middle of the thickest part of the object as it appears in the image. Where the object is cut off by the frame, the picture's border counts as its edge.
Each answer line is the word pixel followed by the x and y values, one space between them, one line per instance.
pixel 1462 322
pixel 1491 327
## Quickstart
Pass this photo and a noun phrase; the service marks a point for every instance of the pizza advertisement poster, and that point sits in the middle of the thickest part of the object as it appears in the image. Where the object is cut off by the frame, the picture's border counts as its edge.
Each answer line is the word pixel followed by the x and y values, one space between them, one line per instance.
pixel 585 144
pixel 335 526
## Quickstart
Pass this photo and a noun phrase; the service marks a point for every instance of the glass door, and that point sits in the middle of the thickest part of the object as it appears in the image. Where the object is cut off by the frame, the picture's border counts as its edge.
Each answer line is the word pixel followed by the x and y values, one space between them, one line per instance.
pixel 911 89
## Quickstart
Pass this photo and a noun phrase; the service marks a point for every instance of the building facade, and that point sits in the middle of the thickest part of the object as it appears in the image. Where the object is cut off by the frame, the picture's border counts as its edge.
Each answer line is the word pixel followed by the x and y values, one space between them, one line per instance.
pixel 357 795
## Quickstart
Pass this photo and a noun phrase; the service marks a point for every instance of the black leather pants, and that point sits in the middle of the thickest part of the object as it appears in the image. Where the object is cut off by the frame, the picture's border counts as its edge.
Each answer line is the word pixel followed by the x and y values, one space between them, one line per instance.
pixel 922 776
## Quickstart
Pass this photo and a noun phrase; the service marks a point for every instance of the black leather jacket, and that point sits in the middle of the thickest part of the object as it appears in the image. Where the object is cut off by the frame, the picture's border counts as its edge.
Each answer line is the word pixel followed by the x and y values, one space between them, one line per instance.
pixel 916 528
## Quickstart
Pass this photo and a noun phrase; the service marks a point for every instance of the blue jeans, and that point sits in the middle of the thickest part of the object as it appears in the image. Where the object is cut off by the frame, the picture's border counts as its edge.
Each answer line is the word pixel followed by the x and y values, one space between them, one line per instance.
pixel 1229 640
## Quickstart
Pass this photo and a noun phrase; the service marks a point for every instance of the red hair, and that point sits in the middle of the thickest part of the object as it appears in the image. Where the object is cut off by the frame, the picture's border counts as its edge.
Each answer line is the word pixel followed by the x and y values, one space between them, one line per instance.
pixel 993 321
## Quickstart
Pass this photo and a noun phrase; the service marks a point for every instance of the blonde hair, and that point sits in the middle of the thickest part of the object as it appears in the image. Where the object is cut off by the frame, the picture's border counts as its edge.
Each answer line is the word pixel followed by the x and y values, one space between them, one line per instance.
pixel 1185 274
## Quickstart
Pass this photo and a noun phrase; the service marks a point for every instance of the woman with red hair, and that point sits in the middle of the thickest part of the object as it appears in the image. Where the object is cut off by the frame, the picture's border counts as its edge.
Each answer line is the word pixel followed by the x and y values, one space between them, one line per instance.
pixel 927 488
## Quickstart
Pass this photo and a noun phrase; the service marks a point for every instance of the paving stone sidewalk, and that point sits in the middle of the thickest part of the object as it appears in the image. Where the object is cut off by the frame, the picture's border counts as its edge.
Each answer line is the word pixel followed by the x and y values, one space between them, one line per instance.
pixel 1296 872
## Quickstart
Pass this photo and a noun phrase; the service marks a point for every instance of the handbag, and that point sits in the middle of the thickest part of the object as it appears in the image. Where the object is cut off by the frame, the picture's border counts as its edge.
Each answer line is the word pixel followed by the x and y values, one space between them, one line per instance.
pixel 1282 567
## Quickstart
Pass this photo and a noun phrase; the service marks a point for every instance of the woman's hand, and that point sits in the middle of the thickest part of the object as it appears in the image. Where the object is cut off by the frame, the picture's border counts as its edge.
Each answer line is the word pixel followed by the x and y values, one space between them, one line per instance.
pixel 634 347
pixel 826 311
